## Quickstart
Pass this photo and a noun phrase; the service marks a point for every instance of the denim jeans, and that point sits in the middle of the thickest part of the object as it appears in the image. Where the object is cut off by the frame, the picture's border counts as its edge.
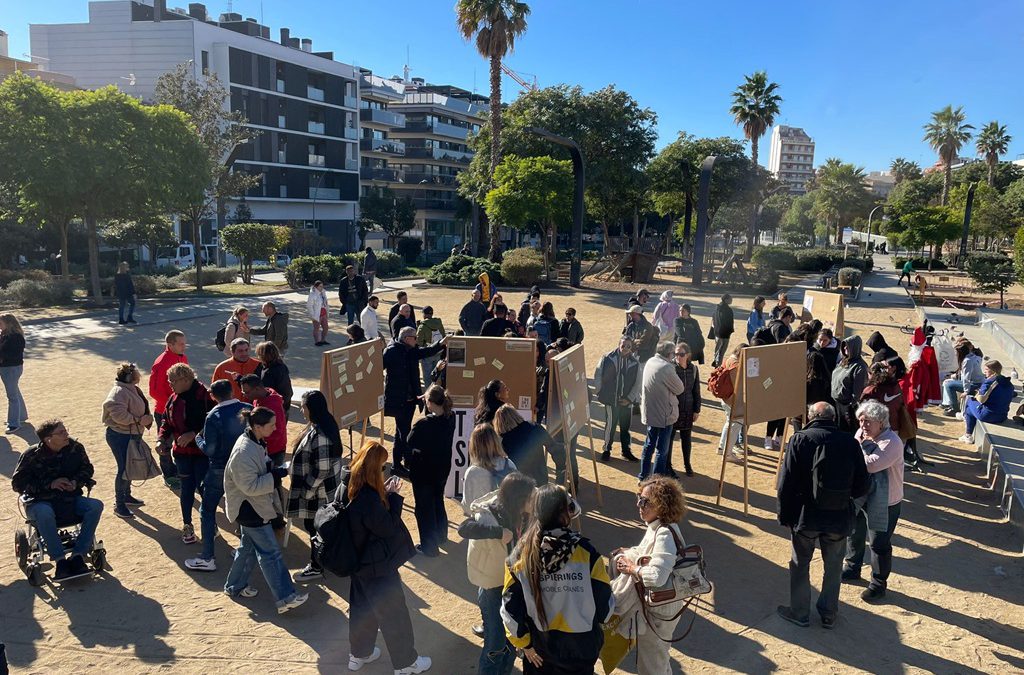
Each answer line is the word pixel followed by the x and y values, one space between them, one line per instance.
pixel 118 443
pixel 950 388
pixel 213 490
pixel 832 547
pixel 881 546
pixel 403 425
pixel 41 513
pixel 497 657
pixel 656 448
pixel 192 473
pixel 426 366
pixel 975 411
pixel 130 302
pixel 352 314
pixel 721 346
pixel 259 544
pixel 16 412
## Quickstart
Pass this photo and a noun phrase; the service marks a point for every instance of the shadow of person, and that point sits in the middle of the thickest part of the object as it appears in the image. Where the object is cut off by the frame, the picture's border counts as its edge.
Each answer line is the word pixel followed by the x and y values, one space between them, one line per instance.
pixel 102 612
pixel 22 629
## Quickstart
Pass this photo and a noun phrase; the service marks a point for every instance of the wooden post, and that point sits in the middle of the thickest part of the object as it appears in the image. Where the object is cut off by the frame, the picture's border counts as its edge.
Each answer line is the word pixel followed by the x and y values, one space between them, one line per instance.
pixel 728 432
pixel 746 460
pixel 381 435
pixel 593 459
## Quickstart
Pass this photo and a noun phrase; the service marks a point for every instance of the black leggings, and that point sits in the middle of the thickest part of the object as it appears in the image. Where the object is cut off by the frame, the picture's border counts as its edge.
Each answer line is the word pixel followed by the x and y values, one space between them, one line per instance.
pixel 775 428
pixel 307 523
pixel 685 442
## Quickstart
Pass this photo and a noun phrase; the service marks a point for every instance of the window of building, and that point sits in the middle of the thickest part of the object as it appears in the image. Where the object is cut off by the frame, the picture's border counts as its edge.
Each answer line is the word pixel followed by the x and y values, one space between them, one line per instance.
pixel 205 60
pixel 282 148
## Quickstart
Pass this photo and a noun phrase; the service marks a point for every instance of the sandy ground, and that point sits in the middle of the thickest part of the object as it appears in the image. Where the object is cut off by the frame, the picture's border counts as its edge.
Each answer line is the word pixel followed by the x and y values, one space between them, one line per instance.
pixel 953 604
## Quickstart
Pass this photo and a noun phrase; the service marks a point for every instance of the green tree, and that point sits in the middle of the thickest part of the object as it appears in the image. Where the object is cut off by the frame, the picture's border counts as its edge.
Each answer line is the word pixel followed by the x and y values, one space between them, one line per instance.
pixel 903 169
pixel 221 133
pixel 798 221
pixel 990 217
pixel 946 134
pixel 386 212
pixel 841 195
pixel 249 241
pixel 154 233
pixel 533 191
pixel 775 207
pixel 495 25
pixel 991 273
pixel 992 142
pixel 754 107
pixel 929 226
pixel 282 239
pixel 1013 201
pixel 1018 254
pixel 242 214
pixel 616 137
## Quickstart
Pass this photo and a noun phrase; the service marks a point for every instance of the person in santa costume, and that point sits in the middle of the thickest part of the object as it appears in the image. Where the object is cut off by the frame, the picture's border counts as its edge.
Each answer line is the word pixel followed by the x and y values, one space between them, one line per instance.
pixel 921 385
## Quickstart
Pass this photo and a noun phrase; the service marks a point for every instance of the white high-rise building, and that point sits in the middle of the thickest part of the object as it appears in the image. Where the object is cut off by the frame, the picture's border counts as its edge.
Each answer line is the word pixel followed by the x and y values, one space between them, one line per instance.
pixel 791 158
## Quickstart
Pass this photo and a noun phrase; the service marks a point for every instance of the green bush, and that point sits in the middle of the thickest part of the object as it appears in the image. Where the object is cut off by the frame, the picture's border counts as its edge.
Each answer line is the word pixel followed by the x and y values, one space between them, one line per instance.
pixel 166 283
pixel 35 293
pixel 7 276
pixel 463 270
pixel 166 271
pixel 389 264
pixel 774 257
pixel 521 266
pixel 818 260
pixel 211 276
pixel 145 286
pixel 869 263
pixel 855 263
pixel 306 269
pixel 765 280
pixel 409 248
pixel 849 276
pixel 920 263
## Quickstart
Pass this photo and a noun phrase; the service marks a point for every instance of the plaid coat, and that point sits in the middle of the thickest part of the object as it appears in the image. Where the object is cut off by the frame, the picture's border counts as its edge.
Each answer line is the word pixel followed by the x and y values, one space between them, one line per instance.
pixel 315 474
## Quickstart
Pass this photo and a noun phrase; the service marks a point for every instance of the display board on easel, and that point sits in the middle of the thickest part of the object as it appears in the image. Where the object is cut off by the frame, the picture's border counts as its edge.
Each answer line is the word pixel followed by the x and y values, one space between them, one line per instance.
pixel 827 308
pixel 569 407
pixel 352 379
pixel 472 363
pixel 771 384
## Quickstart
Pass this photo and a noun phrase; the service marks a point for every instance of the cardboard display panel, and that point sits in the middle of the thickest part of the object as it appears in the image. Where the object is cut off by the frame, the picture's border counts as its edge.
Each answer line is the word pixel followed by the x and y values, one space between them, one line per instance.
pixel 569 394
pixel 465 420
pixel 352 379
pixel 772 382
pixel 825 307
pixel 475 361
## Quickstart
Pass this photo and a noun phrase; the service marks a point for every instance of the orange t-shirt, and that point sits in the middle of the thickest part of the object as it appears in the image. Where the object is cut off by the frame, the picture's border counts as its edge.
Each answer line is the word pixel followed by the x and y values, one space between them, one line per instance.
pixel 231 370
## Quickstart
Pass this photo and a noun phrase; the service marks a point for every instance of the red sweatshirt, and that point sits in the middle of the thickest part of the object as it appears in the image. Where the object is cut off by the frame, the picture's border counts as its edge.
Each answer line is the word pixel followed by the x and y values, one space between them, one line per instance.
pixel 277 441
pixel 159 387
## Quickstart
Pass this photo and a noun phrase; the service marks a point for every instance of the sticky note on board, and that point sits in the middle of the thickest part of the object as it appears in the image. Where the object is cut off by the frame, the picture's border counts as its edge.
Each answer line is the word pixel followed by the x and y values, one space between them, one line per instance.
pixel 468 374
pixel 753 367
pixel 343 379
pixel 577 377
pixel 359 361
pixel 347 419
pixel 371 351
pixel 349 388
pixel 498 364
pixel 565 393
pixel 338 392
pixel 524 402
pixel 479 361
pixel 380 401
pixel 570 366
pixel 809 303
pixel 369 367
pixel 359 377
pixel 341 369
pixel 767 382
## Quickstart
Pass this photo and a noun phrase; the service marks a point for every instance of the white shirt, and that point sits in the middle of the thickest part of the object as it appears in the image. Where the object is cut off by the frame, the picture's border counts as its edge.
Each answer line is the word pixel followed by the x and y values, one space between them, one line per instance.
pixel 369 322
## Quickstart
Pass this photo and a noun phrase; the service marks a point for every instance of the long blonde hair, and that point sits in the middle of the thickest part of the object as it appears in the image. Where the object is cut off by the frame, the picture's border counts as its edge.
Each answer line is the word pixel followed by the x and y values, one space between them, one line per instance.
pixel 485 447
pixel 10 323
pixel 506 419
pixel 122 267
pixel 368 469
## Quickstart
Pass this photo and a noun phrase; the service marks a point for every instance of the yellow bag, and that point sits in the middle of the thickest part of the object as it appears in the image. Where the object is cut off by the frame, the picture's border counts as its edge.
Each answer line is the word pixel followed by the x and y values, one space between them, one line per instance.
pixel 616 647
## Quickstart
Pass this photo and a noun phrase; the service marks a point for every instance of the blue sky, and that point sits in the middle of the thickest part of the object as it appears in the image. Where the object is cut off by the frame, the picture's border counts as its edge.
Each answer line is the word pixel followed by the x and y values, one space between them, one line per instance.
pixel 860 77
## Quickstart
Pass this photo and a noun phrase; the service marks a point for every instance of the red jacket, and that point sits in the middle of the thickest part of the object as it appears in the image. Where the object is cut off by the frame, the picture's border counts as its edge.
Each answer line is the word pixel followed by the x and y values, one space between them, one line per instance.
pixel 277 441
pixel 159 388
pixel 186 412
pixel 921 385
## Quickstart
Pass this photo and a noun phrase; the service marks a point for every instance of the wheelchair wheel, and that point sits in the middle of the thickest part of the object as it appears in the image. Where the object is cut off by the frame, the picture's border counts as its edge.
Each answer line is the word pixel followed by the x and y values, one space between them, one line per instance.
pixel 99 559
pixel 36 576
pixel 21 549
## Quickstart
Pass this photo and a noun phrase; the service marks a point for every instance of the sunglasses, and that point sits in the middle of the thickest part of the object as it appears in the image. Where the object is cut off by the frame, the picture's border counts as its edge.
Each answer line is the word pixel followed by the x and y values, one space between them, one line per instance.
pixel 642 502
pixel 682 354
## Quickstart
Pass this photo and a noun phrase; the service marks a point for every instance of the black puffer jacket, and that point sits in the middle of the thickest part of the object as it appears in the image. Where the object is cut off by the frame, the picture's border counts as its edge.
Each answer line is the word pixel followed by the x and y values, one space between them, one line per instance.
pixel 378 533
pixel 402 374
pixel 689 400
pixel 885 353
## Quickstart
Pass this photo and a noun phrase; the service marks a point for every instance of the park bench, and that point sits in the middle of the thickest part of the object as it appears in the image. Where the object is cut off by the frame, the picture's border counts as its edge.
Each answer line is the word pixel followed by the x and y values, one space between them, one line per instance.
pixel 1003 446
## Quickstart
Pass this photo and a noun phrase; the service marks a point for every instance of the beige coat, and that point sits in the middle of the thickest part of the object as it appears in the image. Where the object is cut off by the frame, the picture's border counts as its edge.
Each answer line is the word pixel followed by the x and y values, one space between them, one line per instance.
pixel 126 410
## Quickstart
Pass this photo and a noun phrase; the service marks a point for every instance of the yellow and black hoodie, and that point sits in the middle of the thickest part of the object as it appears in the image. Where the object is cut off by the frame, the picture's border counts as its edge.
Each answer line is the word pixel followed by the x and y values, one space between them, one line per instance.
pixel 577 598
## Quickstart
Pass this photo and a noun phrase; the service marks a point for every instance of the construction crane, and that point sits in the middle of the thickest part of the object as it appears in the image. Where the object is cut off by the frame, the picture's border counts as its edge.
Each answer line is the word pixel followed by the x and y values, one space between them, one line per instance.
pixel 522 81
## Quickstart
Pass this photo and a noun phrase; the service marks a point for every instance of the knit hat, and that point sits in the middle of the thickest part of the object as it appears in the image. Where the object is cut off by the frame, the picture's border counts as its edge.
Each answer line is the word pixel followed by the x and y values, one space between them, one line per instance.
pixel 635 309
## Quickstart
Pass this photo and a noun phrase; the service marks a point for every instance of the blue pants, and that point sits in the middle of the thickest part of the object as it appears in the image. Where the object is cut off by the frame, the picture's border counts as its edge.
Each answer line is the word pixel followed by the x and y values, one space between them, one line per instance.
pixel 192 473
pixel 259 544
pixel 497 657
pixel 881 546
pixel 213 490
pixel 975 411
pixel 656 446
pixel 353 315
pixel 118 443
pixel 41 513
pixel 130 302
pixel 16 412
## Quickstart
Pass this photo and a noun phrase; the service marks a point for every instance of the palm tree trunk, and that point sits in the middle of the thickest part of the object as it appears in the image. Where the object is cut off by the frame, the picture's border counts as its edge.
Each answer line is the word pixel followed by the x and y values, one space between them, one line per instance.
pixel 94 258
pixel 64 261
pixel 947 178
pixel 992 170
pixel 494 252
pixel 753 150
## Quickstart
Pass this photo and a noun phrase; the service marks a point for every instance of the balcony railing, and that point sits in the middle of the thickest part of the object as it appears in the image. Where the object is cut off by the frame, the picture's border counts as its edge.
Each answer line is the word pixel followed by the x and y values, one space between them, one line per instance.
pixel 379 116
pixel 377 173
pixel 434 204
pixel 351 164
pixel 315 93
pixel 431 179
pixel 351 133
pixel 439 128
pixel 317 160
pixel 385 145
pixel 439 153
pixel 350 102
pixel 324 193
pixel 315 127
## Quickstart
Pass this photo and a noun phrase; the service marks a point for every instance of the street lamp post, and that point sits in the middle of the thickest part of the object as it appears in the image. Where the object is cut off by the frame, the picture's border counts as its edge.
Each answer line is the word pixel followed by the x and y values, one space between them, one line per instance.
pixel 967 225
pixel 579 174
pixel 316 193
pixel 867 234
pixel 703 220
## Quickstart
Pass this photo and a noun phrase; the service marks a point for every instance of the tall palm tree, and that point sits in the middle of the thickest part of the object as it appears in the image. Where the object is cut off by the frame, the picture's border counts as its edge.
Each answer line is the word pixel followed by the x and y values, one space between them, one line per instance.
pixel 903 169
pixel 495 24
pixel 947 133
pixel 842 193
pixel 992 142
pixel 754 107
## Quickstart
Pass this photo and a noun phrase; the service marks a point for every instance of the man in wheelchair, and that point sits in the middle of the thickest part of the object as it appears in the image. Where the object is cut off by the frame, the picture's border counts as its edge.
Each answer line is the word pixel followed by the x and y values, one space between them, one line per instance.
pixel 51 477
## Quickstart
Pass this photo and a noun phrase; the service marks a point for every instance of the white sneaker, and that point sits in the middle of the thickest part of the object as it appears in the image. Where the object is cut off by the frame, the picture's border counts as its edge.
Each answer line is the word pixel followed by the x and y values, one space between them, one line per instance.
pixel 297 600
pixel 201 564
pixel 959 416
pixel 736 456
pixel 247 592
pixel 420 665
pixel 967 438
pixel 355 663
pixel 768 443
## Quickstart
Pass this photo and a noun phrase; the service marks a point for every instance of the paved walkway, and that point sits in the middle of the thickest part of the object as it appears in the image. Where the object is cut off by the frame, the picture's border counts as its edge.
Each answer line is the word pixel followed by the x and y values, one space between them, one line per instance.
pixel 880 289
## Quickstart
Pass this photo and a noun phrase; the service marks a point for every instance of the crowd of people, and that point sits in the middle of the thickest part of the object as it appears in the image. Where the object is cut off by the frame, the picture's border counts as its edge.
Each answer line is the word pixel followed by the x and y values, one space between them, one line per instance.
pixel 840 488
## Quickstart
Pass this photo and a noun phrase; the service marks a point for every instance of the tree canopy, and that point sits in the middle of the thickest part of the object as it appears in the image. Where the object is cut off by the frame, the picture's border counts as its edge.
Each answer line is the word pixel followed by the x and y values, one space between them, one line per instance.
pixel 385 212
pixel 249 241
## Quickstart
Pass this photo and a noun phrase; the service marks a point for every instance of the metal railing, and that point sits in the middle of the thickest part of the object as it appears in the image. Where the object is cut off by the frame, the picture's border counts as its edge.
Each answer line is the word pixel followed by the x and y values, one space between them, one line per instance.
pixel 385 145
pixel 380 116
pixel 380 173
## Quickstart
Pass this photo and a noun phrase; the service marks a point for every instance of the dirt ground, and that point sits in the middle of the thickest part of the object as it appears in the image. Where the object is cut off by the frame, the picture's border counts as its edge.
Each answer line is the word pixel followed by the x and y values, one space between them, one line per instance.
pixel 953 604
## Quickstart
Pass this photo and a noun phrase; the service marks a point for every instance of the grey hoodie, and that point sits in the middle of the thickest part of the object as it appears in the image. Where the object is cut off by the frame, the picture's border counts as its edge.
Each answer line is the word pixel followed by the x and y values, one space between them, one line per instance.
pixel 851 375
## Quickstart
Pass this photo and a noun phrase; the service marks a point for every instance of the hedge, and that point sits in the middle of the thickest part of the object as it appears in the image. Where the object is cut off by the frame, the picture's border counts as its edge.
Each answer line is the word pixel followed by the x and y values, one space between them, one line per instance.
pixel 36 293
pixel 849 276
pixel 306 269
pixel 521 266
pixel 463 270
pixel 211 276
pixel 920 263
pixel 145 286
pixel 8 276
pixel 774 257
pixel 800 260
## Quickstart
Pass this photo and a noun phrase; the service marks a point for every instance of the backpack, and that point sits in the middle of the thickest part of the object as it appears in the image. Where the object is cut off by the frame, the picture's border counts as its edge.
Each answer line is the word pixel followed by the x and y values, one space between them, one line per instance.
pixel 830 485
pixel 333 547
pixel 720 383
pixel 763 336
pixel 220 341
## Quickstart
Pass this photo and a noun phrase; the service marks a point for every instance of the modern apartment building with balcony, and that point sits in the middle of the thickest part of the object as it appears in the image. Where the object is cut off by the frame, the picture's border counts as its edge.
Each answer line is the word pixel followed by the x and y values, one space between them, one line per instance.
pixel 791 158
pixel 378 151
pixel 438 122
pixel 303 104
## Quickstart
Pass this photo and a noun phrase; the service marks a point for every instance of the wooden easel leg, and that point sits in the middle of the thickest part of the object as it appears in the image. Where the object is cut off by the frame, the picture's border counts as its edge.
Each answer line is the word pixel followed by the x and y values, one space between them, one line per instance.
pixel 593 459
pixel 746 461
pixel 725 457
pixel 782 449
pixel 382 427
pixel 366 424
pixel 570 477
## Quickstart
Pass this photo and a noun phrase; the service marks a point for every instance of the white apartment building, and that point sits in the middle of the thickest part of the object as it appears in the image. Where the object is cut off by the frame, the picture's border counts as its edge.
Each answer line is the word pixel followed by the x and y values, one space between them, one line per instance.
pixel 791 158
pixel 880 183
pixel 304 104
